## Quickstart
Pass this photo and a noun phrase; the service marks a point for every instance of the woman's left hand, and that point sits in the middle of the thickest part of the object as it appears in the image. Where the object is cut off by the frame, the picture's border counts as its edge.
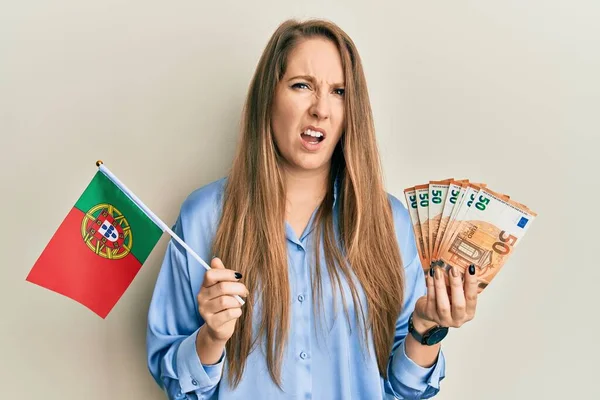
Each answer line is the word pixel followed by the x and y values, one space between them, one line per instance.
pixel 437 308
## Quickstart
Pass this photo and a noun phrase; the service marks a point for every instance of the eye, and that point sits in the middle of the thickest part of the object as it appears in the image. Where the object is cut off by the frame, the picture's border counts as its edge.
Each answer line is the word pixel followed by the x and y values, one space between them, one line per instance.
pixel 340 91
pixel 300 85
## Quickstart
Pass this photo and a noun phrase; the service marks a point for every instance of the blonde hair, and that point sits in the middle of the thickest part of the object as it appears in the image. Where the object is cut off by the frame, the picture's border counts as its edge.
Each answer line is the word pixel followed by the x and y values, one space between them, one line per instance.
pixel 251 234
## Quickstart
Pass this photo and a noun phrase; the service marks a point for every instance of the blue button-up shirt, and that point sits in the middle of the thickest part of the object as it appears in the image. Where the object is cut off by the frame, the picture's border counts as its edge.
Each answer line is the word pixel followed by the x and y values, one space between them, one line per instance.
pixel 324 359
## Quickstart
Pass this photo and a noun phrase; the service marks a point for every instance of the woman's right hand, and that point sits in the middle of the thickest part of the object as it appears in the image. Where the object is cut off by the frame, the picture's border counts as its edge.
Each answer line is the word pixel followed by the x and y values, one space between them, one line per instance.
pixel 217 306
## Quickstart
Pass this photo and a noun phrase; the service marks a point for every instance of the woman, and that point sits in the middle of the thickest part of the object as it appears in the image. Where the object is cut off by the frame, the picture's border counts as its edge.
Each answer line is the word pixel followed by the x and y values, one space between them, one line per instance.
pixel 306 233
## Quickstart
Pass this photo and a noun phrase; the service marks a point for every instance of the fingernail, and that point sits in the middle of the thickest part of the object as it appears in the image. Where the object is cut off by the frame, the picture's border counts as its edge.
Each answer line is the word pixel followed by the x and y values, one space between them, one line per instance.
pixel 238 275
pixel 455 272
pixel 431 271
pixel 438 273
pixel 472 269
pixel 213 257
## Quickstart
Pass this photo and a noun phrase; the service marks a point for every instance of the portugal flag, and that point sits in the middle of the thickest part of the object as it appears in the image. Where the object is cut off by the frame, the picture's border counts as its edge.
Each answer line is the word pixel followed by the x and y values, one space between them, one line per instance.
pixel 98 249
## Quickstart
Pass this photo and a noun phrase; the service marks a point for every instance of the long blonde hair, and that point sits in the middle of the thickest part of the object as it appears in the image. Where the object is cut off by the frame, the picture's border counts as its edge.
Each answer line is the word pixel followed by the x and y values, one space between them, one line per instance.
pixel 251 234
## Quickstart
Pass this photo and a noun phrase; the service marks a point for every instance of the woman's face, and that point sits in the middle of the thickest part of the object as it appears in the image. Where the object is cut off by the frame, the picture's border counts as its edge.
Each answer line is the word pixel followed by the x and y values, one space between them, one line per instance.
pixel 308 107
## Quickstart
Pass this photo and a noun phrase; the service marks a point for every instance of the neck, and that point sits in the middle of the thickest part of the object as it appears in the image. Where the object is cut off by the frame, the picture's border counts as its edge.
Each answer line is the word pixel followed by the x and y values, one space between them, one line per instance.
pixel 306 186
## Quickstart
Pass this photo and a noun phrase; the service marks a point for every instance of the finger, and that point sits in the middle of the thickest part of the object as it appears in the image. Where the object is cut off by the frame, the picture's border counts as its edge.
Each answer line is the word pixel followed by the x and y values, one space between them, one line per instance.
pixel 221 303
pixel 219 273
pixel 458 303
pixel 431 307
pixel 442 300
pixel 225 316
pixel 217 263
pixel 214 276
pixel 225 288
pixel 471 291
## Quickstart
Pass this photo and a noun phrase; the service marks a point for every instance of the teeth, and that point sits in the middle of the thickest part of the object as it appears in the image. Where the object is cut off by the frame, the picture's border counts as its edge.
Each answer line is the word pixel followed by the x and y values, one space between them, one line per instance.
pixel 313 133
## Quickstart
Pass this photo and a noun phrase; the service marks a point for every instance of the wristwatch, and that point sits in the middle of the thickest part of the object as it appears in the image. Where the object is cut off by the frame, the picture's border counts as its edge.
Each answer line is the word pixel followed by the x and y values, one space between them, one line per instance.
pixel 429 338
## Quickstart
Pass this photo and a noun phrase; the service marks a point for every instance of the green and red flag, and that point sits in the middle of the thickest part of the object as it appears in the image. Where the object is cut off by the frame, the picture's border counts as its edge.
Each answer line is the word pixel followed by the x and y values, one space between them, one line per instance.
pixel 99 247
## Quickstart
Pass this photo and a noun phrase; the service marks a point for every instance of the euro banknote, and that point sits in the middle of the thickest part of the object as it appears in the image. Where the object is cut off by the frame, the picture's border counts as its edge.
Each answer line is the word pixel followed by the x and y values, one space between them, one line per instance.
pixel 457 223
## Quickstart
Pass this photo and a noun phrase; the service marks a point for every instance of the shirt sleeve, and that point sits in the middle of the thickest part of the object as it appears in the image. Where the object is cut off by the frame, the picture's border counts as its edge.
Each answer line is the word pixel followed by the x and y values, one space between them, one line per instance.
pixel 173 325
pixel 406 379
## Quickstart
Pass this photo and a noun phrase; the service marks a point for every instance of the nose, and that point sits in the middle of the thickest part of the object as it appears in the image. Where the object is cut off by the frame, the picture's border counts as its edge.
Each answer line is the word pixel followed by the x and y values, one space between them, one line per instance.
pixel 320 107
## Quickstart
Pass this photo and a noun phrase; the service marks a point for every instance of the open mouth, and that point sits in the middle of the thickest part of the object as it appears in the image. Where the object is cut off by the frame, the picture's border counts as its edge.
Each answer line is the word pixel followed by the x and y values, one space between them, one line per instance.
pixel 312 137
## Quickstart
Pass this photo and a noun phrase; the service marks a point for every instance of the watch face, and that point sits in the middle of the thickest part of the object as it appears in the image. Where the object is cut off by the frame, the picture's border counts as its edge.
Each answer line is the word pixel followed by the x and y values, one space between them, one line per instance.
pixel 436 336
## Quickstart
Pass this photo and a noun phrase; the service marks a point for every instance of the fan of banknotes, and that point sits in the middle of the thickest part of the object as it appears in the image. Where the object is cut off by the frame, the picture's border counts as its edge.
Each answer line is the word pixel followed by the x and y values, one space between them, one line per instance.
pixel 458 223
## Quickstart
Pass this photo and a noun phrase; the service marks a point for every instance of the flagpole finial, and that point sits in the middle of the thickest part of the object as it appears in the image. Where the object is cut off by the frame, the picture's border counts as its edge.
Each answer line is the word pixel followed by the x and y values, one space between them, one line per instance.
pixel 99 162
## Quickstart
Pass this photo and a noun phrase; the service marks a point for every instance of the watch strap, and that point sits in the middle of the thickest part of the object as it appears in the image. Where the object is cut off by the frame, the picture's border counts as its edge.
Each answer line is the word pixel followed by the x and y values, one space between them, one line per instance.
pixel 411 329
pixel 430 337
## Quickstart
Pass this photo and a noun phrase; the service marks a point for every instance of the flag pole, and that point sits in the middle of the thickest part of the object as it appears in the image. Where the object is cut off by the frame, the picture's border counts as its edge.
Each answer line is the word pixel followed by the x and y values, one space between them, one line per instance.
pixel 154 218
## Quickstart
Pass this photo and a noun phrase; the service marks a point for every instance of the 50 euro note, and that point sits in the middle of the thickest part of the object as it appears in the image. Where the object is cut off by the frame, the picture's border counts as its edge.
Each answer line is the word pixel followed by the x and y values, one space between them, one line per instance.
pixel 460 209
pixel 422 194
pixel 411 201
pixel 438 191
pixel 485 235
pixel 453 196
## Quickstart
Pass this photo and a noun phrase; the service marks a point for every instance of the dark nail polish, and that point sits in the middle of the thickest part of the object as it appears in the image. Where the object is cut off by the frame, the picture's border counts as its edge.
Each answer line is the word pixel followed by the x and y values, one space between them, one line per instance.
pixel 472 269
pixel 431 271
pixel 238 275
pixel 213 257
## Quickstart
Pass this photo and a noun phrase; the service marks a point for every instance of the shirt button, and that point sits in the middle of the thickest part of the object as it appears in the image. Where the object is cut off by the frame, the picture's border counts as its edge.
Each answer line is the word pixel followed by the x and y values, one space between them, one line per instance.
pixel 299 247
pixel 301 298
pixel 303 355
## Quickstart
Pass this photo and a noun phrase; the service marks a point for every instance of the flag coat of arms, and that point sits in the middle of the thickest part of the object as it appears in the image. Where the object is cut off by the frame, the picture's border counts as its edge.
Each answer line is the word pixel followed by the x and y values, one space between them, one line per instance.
pixel 98 249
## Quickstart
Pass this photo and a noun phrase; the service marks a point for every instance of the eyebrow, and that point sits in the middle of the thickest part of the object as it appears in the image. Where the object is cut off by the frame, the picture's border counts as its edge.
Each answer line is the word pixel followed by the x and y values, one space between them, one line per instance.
pixel 311 79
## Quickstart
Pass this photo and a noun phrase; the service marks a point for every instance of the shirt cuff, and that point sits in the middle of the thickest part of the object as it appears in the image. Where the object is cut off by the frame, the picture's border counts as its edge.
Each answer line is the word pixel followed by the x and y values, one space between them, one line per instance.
pixel 414 376
pixel 193 375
